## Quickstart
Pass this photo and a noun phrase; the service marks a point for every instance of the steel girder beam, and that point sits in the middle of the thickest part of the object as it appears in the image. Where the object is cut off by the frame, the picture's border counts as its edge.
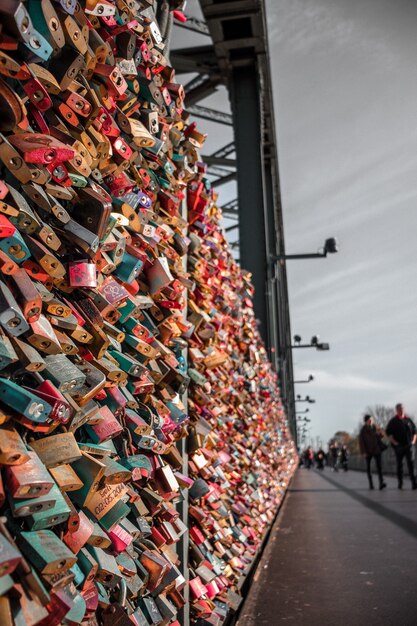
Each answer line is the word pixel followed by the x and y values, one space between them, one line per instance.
pixel 225 151
pixel 232 204
pixel 195 25
pixel 200 59
pixel 216 170
pixel 202 90
pixel 222 162
pixel 254 250
pixel 225 179
pixel 212 115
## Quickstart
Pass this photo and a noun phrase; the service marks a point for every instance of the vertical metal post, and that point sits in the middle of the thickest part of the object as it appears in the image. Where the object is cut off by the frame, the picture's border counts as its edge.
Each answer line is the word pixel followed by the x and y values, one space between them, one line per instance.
pixel 275 321
pixel 246 107
pixel 183 544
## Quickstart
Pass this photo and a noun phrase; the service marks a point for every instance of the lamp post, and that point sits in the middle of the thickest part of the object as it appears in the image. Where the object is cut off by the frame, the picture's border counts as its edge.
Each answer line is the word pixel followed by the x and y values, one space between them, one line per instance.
pixel 298 382
pixel 314 343
pixel 330 247
pixel 306 399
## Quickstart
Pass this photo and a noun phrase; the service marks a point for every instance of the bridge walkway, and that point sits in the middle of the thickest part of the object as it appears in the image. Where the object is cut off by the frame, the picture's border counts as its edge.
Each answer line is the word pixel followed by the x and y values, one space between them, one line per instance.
pixel 338 554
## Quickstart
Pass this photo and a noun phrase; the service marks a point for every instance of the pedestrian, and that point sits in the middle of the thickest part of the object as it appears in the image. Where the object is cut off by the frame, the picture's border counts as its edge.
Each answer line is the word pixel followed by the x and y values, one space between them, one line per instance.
pixel 309 457
pixel 344 457
pixel 402 434
pixel 320 459
pixel 370 438
pixel 334 456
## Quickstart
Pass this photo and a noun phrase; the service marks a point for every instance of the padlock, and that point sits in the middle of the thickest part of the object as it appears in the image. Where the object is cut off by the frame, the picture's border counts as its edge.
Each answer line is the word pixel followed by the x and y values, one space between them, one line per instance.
pixel 11 317
pixel 23 401
pixel 57 449
pixel 44 549
pixel 8 354
pixel 29 358
pixel 82 274
pixel 65 477
pixel 29 480
pixel 57 514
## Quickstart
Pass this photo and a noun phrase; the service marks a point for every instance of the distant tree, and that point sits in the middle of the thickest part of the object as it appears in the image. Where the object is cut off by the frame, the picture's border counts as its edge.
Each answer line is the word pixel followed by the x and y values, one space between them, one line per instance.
pixel 347 439
pixel 381 413
pixel 343 437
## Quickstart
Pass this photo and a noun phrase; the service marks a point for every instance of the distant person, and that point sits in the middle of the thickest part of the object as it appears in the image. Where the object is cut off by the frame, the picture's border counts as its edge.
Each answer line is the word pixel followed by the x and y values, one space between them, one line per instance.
pixel 402 434
pixel 344 458
pixel 309 457
pixel 334 456
pixel 370 438
pixel 320 459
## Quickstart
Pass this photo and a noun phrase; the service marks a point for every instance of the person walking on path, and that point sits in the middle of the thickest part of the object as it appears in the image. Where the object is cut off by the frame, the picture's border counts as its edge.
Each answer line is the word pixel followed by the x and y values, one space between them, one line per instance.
pixel 344 457
pixel 402 434
pixel 334 456
pixel 320 459
pixel 370 438
pixel 309 457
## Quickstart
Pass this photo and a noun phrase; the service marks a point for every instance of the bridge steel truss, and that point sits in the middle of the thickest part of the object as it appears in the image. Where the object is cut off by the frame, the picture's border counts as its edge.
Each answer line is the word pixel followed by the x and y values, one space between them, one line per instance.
pixel 238 57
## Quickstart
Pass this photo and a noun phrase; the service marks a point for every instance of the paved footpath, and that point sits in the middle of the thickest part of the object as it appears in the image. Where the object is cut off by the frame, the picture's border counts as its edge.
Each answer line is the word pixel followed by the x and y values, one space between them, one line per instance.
pixel 338 555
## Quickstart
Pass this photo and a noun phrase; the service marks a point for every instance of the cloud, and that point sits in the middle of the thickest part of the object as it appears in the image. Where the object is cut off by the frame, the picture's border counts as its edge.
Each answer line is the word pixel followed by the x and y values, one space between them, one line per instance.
pixel 300 25
pixel 344 381
pixel 322 283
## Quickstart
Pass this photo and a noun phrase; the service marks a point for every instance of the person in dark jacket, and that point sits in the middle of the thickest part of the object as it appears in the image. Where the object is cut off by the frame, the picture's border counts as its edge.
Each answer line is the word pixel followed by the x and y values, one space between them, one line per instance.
pixel 320 459
pixel 344 457
pixel 402 434
pixel 370 446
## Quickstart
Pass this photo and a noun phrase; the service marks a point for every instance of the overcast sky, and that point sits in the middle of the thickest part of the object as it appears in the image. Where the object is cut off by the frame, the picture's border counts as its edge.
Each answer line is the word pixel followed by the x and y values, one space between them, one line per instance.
pixel 345 92
pixel 345 89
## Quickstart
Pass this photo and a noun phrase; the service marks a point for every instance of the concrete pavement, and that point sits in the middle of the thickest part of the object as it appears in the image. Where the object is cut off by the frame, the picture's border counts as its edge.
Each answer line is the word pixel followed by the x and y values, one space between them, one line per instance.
pixel 338 554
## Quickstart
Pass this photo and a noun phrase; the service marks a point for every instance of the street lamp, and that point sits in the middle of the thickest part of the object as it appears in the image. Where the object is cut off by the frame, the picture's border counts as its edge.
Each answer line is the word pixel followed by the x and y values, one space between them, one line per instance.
pixel 330 247
pixel 301 412
pixel 298 382
pixel 306 399
pixel 314 343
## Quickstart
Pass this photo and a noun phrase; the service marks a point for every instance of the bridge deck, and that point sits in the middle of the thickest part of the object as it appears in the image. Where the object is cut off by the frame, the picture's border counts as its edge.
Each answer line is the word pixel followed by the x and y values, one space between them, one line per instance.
pixel 338 554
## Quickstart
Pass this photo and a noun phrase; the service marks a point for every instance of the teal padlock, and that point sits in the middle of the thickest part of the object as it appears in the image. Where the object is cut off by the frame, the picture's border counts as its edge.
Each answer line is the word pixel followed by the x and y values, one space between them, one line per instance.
pixel 196 377
pixel 119 511
pixel 150 610
pixel 15 247
pixel 78 180
pixel 140 618
pixel 148 323
pixel 6 584
pixel 138 461
pixel 96 450
pixel 130 324
pixel 46 551
pixel 103 596
pixel 30 506
pixel 87 564
pixel 24 402
pixel 76 614
pixel 129 308
pixel 79 576
pixel 129 268
pixel 108 571
pixel 58 514
pixel 127 363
